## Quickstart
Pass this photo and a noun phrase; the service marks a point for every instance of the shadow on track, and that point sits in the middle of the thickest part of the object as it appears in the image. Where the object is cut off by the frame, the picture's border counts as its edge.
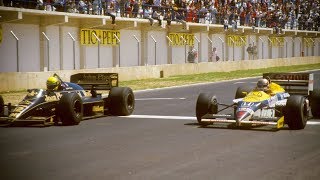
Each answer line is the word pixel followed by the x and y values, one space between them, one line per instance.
pixel 243 127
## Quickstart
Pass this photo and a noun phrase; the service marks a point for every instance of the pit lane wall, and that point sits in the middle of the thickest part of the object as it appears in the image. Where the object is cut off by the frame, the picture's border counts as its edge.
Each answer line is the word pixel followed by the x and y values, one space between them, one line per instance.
pixel 14 81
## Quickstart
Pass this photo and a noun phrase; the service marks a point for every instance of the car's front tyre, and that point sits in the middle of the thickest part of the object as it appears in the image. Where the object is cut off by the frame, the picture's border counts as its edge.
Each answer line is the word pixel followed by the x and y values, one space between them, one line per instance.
pixel 70 109
pixel 206 103
pixel 296 112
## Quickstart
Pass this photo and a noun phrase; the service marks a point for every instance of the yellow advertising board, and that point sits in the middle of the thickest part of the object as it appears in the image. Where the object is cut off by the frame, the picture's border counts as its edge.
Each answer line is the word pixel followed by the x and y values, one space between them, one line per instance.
pixel 180 39
pixel 107 37
pixel 236 40
pixel 276 41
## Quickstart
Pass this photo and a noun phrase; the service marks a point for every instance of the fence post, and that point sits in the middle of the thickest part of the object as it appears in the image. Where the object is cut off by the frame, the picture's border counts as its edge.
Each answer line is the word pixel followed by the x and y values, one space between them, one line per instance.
pixel 232 48
pixel 301 53
pixel 185 49
pixel 199 54
pixel 98 48
pixel 48 49
pixel 170 62
pixel 73 50
pixel 98 39
pixel 270 50
pixel 114 35
pixel 155 50
pixel 222 41
pixel 279 49
pixel 138 49
pixel 243 49
pixel 262 42
pixel 17 48
pixel 211 47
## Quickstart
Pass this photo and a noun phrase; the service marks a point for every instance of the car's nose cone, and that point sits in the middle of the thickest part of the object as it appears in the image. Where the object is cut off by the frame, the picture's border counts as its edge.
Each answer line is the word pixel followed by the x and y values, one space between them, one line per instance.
pixel 241 115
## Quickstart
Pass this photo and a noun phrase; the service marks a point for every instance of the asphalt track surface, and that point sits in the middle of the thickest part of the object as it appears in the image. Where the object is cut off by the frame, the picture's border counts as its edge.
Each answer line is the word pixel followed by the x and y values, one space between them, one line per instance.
pixel 161 141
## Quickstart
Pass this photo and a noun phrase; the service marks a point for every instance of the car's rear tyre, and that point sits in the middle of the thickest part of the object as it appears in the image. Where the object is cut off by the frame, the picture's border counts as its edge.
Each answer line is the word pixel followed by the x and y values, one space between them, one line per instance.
pixel 1 106
pixel 70 109
pixel 296 112
pixel 206 104
pixel 315 103
pixel 122 101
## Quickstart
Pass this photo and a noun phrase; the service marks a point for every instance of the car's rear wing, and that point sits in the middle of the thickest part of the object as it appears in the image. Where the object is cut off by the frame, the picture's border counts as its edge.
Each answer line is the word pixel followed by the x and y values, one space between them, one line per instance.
pixel 295 83
pixel 95 81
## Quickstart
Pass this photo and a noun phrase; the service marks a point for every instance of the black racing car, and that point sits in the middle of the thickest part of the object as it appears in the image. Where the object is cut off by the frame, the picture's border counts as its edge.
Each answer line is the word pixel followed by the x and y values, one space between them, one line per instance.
pixel 81 100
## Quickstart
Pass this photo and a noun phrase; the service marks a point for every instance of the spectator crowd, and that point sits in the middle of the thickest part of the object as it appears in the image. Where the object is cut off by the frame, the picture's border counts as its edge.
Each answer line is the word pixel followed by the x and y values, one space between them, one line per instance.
pixel 279 14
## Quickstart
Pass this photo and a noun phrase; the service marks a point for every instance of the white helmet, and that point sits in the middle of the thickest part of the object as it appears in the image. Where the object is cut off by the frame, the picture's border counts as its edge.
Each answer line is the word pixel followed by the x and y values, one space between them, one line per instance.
pixel 263 85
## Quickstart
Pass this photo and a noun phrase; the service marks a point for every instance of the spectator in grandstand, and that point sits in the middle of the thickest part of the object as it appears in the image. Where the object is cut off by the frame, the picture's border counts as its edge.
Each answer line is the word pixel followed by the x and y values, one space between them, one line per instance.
pixel 168 18
pixel 156 16
pixel 39 6
pixel 225 24
pixel 202 14
pixel 82 7
pixel 234 24
pixel 147 15
pixel 213 14
pixel 109 10
pixel 71 7
pixel 180 18
pixel 59 5
pixel 135 8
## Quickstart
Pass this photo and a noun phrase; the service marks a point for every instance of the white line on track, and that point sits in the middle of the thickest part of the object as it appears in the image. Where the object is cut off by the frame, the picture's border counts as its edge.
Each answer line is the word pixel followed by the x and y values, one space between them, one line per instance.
pixel 146 99
pixel 241 82
pixel 161 117
pixel 186 118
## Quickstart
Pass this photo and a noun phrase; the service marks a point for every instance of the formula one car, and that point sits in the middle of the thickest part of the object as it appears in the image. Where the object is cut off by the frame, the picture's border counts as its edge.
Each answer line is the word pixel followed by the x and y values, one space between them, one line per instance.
pixel 299 97
pixel 80 100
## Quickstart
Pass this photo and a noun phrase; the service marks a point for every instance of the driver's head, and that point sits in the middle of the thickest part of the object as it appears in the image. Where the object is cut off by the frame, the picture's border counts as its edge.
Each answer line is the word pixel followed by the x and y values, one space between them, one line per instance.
pixel 263 85
pixel 53 83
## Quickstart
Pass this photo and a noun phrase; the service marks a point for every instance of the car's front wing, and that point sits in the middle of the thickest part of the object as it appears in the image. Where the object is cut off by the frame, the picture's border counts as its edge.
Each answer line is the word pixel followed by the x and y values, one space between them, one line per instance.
pixel 226 118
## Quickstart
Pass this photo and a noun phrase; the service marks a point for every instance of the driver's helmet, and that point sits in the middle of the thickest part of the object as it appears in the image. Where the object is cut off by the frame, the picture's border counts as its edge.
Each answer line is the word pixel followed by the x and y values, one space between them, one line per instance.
pixel 263 85
pixel 53 83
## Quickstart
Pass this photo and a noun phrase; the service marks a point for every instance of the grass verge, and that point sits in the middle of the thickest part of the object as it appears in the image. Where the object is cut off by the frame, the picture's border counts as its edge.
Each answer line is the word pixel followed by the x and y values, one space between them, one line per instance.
pixel 209 77
pixel 15 97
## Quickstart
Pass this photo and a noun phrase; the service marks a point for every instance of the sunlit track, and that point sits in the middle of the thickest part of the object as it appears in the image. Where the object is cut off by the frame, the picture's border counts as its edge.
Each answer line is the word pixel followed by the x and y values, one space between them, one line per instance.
pixel 187 118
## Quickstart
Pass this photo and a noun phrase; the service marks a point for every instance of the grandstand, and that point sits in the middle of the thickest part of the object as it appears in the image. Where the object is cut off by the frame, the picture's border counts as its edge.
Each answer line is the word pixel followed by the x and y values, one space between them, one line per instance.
pixel 38 36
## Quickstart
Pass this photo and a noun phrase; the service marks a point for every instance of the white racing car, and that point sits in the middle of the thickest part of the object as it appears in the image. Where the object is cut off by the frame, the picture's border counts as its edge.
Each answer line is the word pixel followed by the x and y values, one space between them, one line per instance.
pixel 293 105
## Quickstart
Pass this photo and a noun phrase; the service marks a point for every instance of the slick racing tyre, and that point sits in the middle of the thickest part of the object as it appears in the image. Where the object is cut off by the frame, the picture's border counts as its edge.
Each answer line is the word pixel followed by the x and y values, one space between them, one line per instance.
pixel 242 91
pixel 122 101
pixel 70 109
pixel 206 103
pixel 1 106
pixel 296 112
pixel 315 103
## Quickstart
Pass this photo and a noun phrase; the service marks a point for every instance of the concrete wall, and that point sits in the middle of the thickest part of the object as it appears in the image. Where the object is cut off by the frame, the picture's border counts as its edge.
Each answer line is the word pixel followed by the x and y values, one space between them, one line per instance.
pixel 12 81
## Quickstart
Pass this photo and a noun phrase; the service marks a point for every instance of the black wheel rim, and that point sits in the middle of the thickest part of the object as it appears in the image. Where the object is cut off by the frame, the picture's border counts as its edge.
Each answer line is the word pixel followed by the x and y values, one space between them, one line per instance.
pixel 130 101
pixel 77 108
